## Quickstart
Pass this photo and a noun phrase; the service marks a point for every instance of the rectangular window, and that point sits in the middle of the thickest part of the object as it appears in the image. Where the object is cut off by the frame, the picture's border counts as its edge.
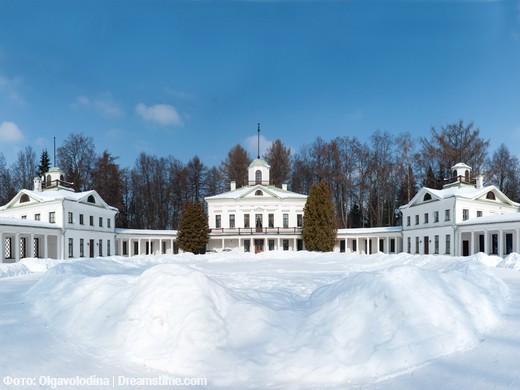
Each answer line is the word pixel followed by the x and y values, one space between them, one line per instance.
pixel 435 216
pixel 125 248
pixel 417 220
pixel 232 221
pixel 271 245
pixel 465 214
pixel 479 213
pixel 409 245
pixel 37 217
pixel 271 220
pixel 408 221
pixel 285 244
pixel 247 222
pixel 417 245
pixel 494 244
pixel 109 223
pixel 81 247
pixel 354 246
pixel 247 245
pixel 509 243
pixel 71 247
pixel 218 221
pixel 100 221
pixel 286 220
pixel 447 215
pixel 100 247
pixel 91 220
pixel 392 245
pixel 81 219
pixel 426 217
pixel 436 248
pixel 299 220
pixel 108 247
pixel 70 217
pixel 448 244
pixel 52 217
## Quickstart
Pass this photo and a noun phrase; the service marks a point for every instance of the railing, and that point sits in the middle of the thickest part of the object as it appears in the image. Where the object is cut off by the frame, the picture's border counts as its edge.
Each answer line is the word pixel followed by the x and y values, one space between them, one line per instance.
pixel 253 231
pixel 46 184
pixel 460 179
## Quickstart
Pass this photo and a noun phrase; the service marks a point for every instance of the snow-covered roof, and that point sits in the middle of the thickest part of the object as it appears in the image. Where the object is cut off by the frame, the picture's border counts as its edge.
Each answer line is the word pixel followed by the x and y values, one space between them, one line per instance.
pixel 272 190
pixel 54 195
pixel 490 219
pixel 146 232
pixel 12 221
pixel 464 192
pixel 368 231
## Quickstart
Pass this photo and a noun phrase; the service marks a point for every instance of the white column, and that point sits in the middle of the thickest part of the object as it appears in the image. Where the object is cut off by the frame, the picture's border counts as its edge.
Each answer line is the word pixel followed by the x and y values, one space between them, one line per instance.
pixel 500 243
pixel 486 250
pixel 2 248
pixel 30 247
pixel 472 244
pixel 16 247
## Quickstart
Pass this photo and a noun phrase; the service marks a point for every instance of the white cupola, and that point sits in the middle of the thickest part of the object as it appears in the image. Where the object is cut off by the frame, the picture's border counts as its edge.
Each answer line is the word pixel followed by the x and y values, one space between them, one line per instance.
pixel 460 176
pixel 54 179
pixel 258 173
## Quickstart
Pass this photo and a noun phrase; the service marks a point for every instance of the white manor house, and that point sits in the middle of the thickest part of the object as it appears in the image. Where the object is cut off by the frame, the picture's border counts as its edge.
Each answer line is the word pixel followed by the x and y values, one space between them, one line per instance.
pixel 53 221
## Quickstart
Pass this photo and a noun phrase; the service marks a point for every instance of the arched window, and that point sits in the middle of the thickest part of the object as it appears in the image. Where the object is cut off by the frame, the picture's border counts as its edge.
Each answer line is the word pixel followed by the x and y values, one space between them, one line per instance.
pixel 24 198
pixel 259 193
pixel 258 176
pixel 466 175
pixel 49 180
pixel 455 173
pixel 427 197
pixel 91 199
pixel 491 195
pixel 62 178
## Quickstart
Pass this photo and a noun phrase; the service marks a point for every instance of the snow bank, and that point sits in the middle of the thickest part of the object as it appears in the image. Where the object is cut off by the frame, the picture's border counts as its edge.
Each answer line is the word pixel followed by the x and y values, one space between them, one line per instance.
pixel 277 319
pixel 512 261
pixel 14 269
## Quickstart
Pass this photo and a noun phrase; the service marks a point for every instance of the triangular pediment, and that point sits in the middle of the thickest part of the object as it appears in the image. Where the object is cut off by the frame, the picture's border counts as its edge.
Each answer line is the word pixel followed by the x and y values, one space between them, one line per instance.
pixel 260 192
pixel 425 195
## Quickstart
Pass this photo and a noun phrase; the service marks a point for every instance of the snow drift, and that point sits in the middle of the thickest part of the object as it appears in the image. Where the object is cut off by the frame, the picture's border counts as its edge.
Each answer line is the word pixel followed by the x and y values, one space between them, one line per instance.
pixel 276 319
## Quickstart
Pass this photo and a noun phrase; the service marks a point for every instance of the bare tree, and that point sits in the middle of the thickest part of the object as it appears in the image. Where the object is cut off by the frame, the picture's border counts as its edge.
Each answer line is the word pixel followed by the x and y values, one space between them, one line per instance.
pixel 454 143
pixel 196 172
pixel 503 170
pixel 24 169
pixel 234 167
pixel 279 158
pixel 76 158
pixel 7 190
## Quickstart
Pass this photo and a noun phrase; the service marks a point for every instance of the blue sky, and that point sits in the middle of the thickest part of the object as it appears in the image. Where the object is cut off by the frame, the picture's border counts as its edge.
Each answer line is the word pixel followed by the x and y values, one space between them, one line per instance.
pixel 188 78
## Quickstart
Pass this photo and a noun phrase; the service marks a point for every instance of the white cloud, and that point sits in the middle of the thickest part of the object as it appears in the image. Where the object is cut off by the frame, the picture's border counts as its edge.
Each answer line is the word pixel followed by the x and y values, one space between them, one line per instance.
pixel 163 114
pixel 11 89
pixel 252 145
pixel 10 133
pixel 103 104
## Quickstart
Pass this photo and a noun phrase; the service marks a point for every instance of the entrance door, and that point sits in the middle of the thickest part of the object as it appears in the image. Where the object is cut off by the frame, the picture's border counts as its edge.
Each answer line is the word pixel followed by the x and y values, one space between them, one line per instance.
pixel 465 248
pixel 91 249
pixel 426 245
pixel 259 246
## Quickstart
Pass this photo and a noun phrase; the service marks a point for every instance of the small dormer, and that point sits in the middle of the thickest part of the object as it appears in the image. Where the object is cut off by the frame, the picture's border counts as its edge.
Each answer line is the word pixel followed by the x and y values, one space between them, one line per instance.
pixel 460 176
pixel 54 179
pixel 258 172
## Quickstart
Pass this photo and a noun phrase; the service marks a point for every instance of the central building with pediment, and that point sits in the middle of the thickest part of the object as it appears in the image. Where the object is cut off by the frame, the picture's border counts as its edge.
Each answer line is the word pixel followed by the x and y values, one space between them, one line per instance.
pixel 256 217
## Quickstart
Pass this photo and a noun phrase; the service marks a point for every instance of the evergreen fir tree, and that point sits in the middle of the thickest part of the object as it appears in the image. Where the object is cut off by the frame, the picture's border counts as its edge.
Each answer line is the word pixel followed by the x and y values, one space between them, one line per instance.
pixel 320 225
pixel 45 163
pixel 193 229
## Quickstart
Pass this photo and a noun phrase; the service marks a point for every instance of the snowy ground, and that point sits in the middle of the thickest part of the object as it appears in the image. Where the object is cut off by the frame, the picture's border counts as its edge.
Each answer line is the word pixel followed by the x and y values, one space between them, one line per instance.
pixel 275 320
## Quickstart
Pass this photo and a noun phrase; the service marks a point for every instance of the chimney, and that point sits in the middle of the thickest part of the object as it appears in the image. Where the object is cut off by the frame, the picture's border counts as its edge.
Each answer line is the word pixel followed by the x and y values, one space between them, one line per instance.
pixel 37 184
pixel 480 182
pixel 233 185
pixel 284 186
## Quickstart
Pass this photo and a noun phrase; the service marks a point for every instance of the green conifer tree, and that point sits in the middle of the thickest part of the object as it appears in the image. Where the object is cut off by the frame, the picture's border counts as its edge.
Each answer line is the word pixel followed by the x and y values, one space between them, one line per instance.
pixel 193 229
pixel 45 163
pixel 320 225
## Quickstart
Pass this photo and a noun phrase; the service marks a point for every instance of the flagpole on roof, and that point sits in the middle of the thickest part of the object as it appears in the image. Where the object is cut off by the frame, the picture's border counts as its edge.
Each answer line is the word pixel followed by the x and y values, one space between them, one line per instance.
pixel 258 157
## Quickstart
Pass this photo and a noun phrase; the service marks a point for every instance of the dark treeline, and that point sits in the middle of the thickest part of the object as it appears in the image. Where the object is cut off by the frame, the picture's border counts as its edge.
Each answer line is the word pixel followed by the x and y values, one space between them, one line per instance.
pixel 368 180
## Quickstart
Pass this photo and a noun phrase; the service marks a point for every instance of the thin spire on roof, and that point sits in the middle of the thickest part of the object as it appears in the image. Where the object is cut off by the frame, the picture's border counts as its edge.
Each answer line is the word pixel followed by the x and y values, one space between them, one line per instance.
pixel 258 157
